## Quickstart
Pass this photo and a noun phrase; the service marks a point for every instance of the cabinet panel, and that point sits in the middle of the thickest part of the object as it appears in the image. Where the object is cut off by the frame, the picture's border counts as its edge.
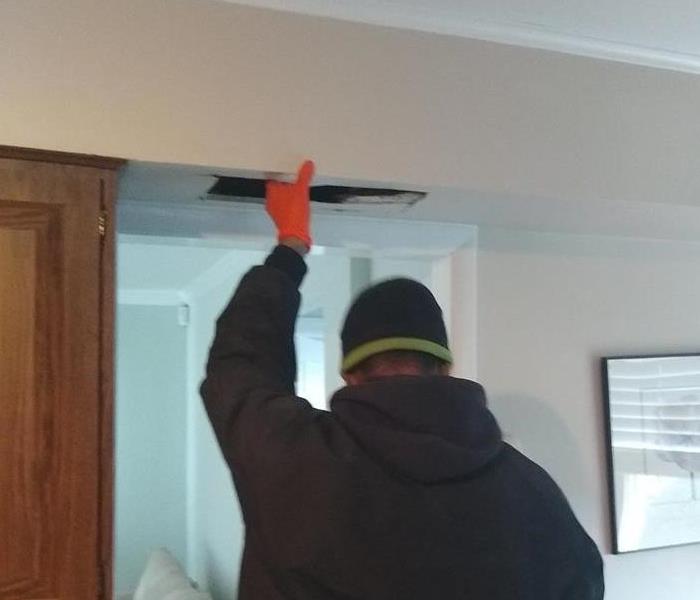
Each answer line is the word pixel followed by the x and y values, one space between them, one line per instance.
pixel 27 516
pixel 53 518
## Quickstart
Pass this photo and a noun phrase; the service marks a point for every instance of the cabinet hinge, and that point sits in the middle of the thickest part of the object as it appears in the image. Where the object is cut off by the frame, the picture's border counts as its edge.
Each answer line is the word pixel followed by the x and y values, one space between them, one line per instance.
pixel 102 223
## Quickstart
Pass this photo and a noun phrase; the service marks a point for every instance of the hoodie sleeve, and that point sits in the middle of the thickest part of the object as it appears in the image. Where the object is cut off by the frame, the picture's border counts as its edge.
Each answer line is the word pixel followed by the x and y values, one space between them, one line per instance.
pixel 248 391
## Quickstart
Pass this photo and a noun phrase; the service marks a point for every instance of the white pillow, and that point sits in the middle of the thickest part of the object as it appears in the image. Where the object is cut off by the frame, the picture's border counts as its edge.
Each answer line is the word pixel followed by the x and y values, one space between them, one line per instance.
pixel 164 579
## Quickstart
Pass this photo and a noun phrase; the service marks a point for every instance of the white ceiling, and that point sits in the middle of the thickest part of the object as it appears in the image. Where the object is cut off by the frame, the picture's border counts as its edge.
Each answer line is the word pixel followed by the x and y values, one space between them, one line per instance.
pixel 166 200
pixel 664 33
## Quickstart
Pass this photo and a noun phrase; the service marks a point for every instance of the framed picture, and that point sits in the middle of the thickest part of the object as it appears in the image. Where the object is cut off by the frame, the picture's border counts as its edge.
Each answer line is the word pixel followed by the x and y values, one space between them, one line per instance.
pixel 652 411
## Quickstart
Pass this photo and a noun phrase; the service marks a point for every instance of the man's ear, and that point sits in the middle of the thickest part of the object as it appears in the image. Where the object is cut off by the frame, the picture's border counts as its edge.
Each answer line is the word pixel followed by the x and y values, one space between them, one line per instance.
pixel 446 369
pixel 351 378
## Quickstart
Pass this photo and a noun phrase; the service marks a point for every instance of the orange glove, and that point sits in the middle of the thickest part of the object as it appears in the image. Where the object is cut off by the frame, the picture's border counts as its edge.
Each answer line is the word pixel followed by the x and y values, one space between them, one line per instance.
pixel 289 206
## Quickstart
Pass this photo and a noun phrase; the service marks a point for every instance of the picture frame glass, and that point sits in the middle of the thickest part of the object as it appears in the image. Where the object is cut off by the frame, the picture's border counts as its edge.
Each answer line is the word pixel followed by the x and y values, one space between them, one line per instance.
pixel 652 407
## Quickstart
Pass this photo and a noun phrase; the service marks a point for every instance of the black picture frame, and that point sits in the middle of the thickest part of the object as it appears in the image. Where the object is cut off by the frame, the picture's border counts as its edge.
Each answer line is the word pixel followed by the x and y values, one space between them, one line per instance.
pixel 622 546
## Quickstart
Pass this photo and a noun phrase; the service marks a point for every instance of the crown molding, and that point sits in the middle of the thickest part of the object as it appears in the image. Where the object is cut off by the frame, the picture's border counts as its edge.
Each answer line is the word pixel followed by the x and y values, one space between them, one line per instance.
pixel 527 35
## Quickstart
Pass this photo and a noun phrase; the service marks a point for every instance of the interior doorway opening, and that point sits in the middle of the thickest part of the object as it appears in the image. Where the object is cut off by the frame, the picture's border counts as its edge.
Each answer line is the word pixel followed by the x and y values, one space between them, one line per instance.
pixel 177 267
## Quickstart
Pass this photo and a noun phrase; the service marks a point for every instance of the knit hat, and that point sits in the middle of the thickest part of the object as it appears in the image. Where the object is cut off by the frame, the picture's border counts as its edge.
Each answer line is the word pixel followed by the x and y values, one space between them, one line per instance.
pixel 398 314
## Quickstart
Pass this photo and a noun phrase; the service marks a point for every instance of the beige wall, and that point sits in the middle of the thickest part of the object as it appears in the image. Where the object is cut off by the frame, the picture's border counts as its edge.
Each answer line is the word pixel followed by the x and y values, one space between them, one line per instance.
pixel 201 82
pixel 550 306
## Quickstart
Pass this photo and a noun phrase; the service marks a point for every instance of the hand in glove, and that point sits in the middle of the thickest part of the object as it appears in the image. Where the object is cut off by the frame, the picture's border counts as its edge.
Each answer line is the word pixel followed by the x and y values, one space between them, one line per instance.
pixel 289 206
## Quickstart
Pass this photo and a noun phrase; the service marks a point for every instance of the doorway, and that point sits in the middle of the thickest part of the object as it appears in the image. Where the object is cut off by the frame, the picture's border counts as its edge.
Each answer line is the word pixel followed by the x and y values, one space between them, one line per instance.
pixel 178 262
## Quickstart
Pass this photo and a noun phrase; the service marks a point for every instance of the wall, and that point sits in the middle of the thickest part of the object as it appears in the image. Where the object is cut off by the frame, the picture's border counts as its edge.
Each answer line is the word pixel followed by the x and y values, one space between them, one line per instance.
pixel 549 307
pixel 210 83
pixel 151 411
pixel 215 530
pixel 309 342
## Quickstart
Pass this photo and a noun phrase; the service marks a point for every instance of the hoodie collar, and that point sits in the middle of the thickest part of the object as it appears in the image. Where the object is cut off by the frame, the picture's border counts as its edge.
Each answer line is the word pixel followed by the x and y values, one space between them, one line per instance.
pixel 426 428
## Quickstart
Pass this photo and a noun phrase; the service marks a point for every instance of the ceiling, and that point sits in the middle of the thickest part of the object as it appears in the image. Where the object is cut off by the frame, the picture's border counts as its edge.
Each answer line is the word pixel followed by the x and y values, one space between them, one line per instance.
pixel 663 33
pixel 168 201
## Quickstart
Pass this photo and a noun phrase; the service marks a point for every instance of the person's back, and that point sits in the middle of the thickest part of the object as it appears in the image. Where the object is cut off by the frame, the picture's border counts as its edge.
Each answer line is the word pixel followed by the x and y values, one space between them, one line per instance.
pixel 405 488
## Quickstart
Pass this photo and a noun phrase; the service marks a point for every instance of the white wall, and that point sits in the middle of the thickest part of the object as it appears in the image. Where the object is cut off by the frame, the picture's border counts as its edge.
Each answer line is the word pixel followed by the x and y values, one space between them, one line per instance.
pixel 549 307
pixel 215 529
pixel 330 276
pixel 310 346
pixel 151 437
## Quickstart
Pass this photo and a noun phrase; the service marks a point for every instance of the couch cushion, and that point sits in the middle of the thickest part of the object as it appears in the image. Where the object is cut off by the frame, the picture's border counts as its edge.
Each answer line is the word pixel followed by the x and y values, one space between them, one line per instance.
pixel 164 579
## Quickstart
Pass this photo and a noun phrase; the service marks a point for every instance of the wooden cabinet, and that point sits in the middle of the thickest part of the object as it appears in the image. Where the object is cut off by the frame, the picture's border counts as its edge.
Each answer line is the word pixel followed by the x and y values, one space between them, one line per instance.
pixel 56 363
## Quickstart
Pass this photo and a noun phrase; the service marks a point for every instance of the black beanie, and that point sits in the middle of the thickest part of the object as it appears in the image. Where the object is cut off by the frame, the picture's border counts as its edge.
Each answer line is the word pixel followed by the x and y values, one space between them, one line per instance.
pixel 398 314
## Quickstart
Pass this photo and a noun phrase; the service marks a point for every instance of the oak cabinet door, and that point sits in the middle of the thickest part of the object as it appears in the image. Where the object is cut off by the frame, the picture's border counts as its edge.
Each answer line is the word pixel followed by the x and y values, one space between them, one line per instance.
pixel 54 465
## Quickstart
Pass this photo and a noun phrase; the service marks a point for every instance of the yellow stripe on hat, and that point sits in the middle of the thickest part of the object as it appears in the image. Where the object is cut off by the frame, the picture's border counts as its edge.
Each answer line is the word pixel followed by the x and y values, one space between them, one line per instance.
pixel 363 352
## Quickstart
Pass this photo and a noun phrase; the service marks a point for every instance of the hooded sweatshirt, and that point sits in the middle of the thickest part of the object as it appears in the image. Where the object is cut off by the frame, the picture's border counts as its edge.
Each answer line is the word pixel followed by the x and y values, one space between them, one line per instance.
pixel 403 490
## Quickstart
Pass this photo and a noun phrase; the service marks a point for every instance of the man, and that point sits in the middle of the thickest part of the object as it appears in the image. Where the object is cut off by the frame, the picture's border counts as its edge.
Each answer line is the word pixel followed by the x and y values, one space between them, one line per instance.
pixel 405 489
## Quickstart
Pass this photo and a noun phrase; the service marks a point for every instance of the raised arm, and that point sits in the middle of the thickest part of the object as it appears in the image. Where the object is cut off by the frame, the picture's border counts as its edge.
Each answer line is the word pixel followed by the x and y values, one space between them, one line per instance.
pixel 249 387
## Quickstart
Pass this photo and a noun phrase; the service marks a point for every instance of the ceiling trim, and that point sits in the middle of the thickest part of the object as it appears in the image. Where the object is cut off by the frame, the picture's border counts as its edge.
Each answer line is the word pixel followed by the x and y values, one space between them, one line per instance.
pixel 590 47
pixel 515 34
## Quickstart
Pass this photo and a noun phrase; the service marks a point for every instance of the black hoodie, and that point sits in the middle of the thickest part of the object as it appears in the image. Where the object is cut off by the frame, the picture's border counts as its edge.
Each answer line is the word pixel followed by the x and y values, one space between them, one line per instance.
pixel 404 490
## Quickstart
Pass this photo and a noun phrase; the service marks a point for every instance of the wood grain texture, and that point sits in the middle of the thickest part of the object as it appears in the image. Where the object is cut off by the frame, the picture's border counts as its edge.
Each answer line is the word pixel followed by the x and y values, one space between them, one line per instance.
pixel 67 158
pixel 17 318
pixel 52 406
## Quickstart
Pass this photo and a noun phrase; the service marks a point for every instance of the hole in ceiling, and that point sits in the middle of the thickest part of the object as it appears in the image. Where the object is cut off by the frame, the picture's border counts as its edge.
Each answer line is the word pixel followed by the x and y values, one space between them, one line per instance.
pixel 252 191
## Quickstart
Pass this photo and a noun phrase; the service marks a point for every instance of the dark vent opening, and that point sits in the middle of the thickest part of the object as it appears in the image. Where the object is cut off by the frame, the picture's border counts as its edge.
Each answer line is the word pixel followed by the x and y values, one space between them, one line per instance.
pixel 238 187
pixel 245 189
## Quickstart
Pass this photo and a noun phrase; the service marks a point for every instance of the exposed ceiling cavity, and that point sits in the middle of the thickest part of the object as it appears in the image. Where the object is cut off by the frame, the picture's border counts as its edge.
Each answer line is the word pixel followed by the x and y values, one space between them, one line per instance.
pixel 336 198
